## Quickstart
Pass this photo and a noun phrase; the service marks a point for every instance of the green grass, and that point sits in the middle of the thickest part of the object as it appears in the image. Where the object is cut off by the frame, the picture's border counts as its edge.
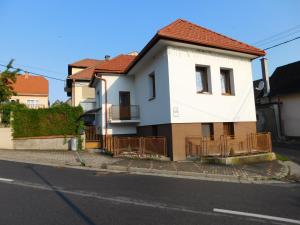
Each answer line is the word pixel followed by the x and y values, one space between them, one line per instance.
pixel 282 157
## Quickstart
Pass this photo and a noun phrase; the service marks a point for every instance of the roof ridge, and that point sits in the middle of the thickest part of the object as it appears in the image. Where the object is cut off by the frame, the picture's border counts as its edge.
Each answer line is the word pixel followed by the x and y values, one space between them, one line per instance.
pixel 289 64
pixel 209 30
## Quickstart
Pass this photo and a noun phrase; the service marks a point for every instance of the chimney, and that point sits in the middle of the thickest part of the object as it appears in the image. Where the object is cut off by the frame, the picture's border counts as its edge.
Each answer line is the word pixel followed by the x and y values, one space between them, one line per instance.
pixel 107 57
pixel 265 74
pixel 134 53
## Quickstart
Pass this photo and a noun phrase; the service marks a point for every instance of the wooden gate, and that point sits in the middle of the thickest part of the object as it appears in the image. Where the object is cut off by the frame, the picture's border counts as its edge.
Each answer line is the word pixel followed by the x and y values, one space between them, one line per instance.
pixel 92 139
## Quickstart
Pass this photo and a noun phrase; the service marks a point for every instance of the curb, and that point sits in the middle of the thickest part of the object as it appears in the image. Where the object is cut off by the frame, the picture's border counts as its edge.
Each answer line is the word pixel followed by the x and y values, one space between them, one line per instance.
pixel 192 175
pixel 163 173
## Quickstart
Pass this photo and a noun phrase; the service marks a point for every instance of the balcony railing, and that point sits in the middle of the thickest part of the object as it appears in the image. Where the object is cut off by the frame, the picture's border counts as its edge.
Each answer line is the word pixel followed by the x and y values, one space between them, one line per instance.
pixel 117 112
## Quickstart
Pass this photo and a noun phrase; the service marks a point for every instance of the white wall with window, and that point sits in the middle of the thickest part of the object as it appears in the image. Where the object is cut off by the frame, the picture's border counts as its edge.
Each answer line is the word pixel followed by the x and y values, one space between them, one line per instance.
pixel 200 93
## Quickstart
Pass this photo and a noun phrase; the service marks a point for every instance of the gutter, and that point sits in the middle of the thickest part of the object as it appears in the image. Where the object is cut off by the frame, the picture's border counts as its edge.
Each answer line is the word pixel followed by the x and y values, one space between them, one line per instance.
pixel 106 109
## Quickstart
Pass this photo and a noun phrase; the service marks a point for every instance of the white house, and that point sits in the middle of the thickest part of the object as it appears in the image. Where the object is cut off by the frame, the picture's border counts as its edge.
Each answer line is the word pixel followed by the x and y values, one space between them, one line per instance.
pixel 187 80
pixel 279 111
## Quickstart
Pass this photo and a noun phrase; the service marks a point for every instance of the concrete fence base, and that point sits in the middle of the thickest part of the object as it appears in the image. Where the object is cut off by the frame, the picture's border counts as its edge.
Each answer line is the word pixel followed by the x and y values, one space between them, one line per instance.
pixel 59 142
pixel 6 138
pixel 45 143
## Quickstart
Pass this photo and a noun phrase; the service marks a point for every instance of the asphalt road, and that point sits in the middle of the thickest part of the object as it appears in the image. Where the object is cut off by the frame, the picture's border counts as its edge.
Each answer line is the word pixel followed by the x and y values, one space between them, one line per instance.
pixel 292 152
pixel 48 195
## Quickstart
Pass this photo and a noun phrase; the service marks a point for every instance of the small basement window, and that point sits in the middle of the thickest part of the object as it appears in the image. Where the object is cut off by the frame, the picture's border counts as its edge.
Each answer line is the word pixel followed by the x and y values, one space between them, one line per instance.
pixel 228 129
pixel 152 91
pixel 226 82
pixel 202 79
pixel 208 130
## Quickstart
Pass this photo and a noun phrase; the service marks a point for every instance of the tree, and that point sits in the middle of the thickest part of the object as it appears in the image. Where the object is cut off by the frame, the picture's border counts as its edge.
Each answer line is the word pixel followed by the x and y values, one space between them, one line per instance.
pixel 7 78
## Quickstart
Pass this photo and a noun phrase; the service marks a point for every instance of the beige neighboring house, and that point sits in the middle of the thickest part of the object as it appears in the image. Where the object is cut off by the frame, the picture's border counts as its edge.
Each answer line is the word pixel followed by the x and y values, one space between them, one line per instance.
pixel 77 83
pixel 33 91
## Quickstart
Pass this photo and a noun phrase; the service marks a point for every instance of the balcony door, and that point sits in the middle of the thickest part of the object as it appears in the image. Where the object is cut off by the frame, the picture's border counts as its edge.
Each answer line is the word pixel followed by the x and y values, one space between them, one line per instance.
pixel 124 102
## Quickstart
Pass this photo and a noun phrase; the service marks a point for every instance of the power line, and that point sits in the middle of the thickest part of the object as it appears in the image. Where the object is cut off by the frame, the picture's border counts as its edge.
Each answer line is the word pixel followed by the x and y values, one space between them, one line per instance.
pixel 35 67
pixel 33 73
pixel 282 43
pixel 278 34
pixel 277 39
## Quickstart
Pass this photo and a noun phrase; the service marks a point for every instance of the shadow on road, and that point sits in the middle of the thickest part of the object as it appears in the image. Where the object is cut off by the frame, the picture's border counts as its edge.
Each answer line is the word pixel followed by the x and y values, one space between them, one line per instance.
pixel 68 202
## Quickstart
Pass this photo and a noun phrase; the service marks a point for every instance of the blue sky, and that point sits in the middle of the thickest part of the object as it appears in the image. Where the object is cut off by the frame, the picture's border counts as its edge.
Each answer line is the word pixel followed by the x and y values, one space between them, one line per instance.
pixel 44 36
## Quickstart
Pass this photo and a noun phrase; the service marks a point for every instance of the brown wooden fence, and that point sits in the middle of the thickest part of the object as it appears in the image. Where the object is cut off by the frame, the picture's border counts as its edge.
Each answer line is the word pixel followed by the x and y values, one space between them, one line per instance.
pixel 137 145
pixel 228 145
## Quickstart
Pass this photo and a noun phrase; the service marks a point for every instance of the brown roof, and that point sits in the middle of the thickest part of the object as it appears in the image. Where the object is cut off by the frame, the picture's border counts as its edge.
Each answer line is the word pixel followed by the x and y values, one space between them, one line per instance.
pixel 187 32
pixel 118 64
pixel 86 63
pixel 182 30
pixel 85 74
pixel 31 85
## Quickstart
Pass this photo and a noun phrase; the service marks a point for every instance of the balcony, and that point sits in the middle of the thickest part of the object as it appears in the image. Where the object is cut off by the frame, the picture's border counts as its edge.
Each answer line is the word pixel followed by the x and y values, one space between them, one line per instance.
pixel 124 114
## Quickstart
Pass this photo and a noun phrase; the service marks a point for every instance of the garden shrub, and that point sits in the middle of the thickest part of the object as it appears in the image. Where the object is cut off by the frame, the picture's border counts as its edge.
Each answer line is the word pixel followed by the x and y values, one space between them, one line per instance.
pixel 59 120
pixel 6 110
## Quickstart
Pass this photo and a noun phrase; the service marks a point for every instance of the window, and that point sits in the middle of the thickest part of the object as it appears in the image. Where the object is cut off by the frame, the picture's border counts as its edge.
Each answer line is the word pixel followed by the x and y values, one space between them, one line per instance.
pixel 228 129
pixel 226 82
pixel 202 79
pixel 32 103
pixel 152 92
pixel 207 130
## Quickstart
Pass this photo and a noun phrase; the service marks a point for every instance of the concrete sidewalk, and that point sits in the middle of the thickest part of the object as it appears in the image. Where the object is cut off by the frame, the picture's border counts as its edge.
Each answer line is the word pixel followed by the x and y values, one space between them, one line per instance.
pixel 253 173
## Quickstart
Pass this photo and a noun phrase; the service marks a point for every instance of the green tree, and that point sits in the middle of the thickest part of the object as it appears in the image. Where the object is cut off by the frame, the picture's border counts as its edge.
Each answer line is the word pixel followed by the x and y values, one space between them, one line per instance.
pixel 7 78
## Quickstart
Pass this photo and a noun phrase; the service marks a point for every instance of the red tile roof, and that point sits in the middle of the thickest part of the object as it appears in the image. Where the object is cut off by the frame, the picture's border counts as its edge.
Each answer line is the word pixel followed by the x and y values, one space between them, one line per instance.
pixel 85 74
pixel 118 64
pixel 86 63
pixel 31 85
pixel 185 31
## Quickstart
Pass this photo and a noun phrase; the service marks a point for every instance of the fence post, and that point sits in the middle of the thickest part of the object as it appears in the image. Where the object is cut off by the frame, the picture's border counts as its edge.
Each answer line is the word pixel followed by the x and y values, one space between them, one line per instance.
pixel 270 141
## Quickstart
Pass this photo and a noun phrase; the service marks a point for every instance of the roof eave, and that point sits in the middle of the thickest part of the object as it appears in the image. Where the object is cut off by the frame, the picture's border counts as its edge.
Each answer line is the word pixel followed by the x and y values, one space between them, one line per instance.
pixel 158 37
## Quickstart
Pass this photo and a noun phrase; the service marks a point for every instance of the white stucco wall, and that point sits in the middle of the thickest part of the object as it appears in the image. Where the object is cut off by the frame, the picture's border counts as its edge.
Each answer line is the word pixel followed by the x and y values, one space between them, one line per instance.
pixel 156 111
pixel 115 84
pixel 188 106
pixel 290 114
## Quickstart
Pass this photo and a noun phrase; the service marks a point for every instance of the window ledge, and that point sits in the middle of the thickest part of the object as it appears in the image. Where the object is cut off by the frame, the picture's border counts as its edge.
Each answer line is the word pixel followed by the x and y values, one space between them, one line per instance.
pixel 204 92
pixel 227 94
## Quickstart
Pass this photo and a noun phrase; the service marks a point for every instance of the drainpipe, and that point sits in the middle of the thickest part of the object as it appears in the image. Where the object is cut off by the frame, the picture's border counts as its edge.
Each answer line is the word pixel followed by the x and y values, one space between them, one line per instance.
pixel 265 74
pixel 73 92
pixel 106 110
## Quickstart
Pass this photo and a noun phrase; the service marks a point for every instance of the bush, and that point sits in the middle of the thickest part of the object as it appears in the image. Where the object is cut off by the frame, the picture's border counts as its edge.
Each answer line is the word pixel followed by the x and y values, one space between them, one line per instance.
pixel 7 108
pixel 59 120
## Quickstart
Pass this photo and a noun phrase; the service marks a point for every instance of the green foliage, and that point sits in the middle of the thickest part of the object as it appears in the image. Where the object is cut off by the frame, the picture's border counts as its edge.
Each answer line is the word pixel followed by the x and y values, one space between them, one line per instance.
pixel 282 157
pixel 6 110
pixel 7 78
pixel 59 120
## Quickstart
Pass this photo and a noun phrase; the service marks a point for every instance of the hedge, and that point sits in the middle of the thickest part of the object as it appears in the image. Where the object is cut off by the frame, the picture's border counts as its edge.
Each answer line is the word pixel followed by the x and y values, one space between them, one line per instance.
pixel 6 109
pixel 59 120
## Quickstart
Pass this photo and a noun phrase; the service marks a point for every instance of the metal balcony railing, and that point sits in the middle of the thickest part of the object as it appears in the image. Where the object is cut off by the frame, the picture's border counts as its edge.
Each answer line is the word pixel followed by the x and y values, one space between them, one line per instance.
pixel 117 112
